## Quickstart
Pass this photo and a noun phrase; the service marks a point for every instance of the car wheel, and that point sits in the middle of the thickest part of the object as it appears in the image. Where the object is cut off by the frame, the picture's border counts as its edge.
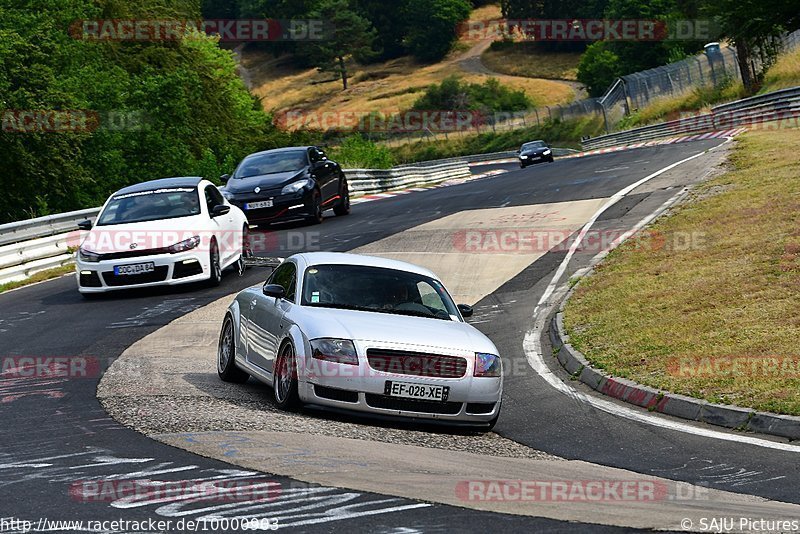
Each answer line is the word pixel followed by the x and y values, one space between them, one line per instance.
pixel 316 208
pixel 215 278
pixel 226 355
pixel 522 165
pixel 343 206
pixel 284 383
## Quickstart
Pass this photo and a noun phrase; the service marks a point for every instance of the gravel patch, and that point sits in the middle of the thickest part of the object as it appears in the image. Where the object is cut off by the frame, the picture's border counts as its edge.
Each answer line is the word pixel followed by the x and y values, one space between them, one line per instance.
pixel 167 383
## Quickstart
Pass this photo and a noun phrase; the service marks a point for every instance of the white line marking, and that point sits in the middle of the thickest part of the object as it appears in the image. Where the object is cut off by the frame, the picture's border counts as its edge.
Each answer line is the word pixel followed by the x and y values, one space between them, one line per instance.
pixel 532 341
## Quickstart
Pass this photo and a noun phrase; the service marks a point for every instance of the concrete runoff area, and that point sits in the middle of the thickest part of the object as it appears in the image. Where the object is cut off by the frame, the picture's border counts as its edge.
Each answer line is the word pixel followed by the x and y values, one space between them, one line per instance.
pixel 166 386
pixel 476 251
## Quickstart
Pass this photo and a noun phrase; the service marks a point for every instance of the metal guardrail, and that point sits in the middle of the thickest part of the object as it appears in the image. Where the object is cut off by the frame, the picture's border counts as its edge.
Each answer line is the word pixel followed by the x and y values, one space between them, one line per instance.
pixel 33 245
pixel 770 107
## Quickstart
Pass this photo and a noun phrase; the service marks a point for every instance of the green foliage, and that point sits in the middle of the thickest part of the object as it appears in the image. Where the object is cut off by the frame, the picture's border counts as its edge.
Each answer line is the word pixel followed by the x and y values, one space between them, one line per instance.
pixel 454 95
pixel 187 109
pixel 357 152
pixel 598 69
pixel 352 36
pixel 433 26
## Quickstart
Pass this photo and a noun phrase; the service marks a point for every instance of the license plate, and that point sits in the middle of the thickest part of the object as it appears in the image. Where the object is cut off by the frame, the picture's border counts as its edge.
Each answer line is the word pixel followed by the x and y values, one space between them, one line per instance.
pixel 408 390
pixel 536 157
pixel 258 205
pixel 136 268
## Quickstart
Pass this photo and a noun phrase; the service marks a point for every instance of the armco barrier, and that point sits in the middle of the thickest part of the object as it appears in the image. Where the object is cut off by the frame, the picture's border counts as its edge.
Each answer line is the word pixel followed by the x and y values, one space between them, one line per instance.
pixel 778 105
pixel 33 245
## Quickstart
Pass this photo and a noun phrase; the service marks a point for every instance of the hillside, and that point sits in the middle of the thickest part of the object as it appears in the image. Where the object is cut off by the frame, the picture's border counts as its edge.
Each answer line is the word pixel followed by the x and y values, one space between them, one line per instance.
pixel 385 87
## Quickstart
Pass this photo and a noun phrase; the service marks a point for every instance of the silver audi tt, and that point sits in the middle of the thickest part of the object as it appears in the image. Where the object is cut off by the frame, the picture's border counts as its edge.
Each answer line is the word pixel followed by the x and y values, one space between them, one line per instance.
pixel 362 333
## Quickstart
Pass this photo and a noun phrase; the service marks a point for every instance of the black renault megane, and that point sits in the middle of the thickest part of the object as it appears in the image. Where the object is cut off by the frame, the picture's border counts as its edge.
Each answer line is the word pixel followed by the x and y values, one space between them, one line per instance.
pixel 287 183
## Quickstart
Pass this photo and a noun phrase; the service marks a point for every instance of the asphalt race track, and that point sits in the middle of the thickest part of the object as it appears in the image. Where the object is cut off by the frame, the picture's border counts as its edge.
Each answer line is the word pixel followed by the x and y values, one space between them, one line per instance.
pixel 57 435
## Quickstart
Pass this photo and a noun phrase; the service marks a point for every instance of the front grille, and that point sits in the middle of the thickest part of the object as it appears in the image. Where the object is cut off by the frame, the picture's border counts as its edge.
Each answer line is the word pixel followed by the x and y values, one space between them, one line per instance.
pixel 411 405
pixel 133 254
pixel 90 280
pixel 416 363
pixel 182 270
pixel 159 275
pixel 335 394
pixel 480 407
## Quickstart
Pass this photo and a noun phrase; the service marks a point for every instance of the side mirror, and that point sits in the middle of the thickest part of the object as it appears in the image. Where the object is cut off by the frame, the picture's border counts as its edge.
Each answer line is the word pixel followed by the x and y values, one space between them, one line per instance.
pixel 224 178
pixel 85 225
pixel 466 310
pixel 220 209
pixel 274 291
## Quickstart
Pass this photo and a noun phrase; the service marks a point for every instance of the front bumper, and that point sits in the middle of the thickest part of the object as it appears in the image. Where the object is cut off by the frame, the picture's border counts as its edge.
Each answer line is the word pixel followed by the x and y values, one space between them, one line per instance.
pixel 170 269
pixel 530 160
pixel 473 400
pixel 283 207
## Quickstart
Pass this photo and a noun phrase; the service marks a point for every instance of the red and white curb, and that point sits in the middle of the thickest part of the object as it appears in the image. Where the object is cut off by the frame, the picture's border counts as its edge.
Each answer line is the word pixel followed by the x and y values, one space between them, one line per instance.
pixel 722 134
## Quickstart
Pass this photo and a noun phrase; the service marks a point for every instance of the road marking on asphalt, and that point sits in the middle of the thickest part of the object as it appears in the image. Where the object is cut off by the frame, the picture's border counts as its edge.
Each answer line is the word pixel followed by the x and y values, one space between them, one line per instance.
pixel 532 341
pixel 611 169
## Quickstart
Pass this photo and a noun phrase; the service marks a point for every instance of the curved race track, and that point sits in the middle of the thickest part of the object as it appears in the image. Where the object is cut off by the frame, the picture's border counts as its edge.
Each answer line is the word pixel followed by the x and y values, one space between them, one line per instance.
pixel 57 435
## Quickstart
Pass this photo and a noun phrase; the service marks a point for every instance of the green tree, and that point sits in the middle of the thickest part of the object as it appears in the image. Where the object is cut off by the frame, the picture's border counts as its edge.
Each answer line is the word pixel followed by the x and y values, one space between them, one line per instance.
pixel 754 27
pixel 598 68
pixel 433 26
pixel 352 36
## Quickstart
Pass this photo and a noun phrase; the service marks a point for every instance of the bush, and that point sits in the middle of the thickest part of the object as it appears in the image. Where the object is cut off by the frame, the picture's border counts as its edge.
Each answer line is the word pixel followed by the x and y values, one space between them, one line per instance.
pixel 356 152
pixel 433 26
pixel 454 95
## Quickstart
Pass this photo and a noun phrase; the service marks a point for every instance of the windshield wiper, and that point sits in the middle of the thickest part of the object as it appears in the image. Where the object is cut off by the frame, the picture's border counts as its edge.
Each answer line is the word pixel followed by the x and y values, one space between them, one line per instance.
pixel 339 306
pixel 413 313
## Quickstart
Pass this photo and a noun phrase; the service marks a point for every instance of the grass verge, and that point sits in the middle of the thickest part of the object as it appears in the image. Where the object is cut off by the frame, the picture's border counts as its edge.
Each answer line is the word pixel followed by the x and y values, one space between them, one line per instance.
pixel 41 276
pixel 784 73
pixel 719 319
pixel 698 100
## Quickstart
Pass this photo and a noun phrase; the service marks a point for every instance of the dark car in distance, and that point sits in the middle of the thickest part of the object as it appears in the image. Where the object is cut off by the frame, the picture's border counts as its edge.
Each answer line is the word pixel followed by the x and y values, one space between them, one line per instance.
pixel 287 183
pixel 534 152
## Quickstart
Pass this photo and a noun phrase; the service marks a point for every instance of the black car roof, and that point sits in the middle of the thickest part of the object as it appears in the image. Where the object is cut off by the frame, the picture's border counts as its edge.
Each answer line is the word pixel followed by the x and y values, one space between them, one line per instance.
pixel 279 150
pixel 184 181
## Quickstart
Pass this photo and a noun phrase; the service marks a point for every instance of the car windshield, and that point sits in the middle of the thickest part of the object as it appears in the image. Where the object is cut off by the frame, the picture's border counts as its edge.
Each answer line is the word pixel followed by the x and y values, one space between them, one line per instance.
pixel 272 163
pixel 151 205
pixel 533 144
pixel 376 289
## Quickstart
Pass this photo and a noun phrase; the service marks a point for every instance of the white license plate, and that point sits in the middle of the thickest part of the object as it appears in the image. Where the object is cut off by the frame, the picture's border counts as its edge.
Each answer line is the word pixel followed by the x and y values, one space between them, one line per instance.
pixel 136 268
pixel 408 390
pixel 258 205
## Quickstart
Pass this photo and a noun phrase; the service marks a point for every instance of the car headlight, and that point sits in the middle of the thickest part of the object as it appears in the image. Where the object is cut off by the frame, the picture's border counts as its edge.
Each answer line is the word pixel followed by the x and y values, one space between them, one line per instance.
pixel 546 152
pixel 523 157
pixel 227 194
pixel 88 256
pixel 183 246
pixel 487 365
pixel 334 350
pixel 294 187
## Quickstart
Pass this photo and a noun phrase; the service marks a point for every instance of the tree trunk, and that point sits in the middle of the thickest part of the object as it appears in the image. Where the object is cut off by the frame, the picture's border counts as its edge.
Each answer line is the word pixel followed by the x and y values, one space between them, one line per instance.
pixel 743 58
pixel 343 70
